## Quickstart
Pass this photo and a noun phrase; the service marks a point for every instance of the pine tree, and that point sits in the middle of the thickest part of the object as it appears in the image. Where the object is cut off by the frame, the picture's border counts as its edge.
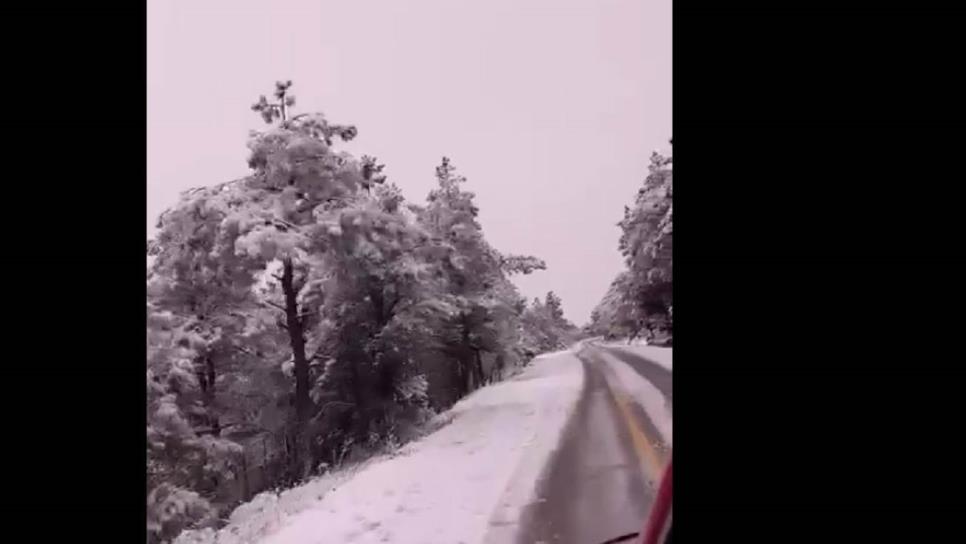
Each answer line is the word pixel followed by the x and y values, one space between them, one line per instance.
pixel 554 307
pixel 545 327
pixel 185 465
pixel 617 313
pixel 278 219
pixel 487 307
pixel 646 243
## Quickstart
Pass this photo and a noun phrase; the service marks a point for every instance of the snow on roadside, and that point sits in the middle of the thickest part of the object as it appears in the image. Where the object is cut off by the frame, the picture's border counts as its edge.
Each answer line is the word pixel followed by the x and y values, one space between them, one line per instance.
pixel 648 396
pixel 268 511
pixel 553 412
pixel 446 487
pixel 552 354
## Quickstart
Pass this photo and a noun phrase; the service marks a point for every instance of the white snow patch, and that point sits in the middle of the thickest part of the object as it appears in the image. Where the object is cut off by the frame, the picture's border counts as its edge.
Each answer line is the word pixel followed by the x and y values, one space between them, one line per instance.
pixel 650 398
pixel 552 354
pixel 448 486
pixel 554 411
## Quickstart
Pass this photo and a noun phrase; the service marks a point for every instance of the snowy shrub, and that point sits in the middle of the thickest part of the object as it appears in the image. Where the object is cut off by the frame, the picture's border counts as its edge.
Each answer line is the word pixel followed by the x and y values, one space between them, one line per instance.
pixel 254 520
pixel 171 509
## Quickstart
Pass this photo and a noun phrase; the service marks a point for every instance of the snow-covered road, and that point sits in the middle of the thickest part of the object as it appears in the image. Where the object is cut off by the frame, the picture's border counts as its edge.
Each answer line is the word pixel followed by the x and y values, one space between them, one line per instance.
pixel 503 468
pixel 600 482
pixel 448 487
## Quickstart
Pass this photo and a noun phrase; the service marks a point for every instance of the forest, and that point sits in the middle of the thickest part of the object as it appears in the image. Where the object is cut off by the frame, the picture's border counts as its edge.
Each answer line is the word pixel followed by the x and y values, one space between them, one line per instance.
pixel 308 315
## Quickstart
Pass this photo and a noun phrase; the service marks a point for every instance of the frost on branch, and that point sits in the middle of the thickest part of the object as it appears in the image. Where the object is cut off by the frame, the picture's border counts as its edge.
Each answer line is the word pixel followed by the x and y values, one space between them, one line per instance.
pixel 522 264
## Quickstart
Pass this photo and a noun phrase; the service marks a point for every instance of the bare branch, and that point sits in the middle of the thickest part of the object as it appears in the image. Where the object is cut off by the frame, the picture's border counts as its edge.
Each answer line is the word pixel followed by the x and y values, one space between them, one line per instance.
pixel 335 403
pixel 287 224
pixel 317 354
pixel 392 305
pixel 245 350
pixel 274 305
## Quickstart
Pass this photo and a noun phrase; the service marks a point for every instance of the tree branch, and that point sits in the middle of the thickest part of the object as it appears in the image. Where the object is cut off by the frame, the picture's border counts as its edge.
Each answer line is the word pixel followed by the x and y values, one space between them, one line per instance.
pixel 274 305
pixel 392 305
pixel 335 403
pixel 246 351
pixel 287 224
pixel 316 355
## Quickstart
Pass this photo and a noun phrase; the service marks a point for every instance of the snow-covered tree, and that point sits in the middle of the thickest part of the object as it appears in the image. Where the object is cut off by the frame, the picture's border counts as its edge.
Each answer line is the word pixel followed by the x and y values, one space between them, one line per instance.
pixel 646 243
pixel 375 283
pixel 616 315
pixel 311 301
pixel 483 301
pixel 554 306
pixel 271 223
pixel 545 327
pixel 187 461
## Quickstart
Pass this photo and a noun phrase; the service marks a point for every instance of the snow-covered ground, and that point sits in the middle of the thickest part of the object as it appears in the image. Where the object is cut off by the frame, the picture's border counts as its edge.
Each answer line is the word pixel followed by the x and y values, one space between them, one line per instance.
pixel 446 488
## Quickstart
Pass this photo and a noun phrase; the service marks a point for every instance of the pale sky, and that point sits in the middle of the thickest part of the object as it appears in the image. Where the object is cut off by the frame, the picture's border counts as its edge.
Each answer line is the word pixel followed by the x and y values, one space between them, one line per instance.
pixel 550 108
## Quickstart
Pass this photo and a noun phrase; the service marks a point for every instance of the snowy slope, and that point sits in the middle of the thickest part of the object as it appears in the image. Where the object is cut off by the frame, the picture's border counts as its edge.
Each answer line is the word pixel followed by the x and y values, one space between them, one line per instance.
pixel 447 487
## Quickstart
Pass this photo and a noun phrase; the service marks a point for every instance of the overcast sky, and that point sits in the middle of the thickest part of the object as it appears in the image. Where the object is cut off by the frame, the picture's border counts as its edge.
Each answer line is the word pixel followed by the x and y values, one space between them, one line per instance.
pixel 550 108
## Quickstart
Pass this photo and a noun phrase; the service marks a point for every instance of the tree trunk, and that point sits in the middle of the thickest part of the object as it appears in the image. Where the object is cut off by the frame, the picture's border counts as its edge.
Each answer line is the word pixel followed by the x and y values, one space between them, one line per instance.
pixel 210 396
pixel 478 366
pixel 293 323
pixel 246 488
pixel 360 426
pixel 462 382
pixel 466 365
pixel 205 373
pixel 378 306
pixel 497 372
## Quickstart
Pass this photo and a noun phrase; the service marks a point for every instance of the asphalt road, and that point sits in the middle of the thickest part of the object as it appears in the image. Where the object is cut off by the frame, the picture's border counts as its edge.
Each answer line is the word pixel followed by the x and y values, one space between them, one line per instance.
pixel 600 482
pixel 652 372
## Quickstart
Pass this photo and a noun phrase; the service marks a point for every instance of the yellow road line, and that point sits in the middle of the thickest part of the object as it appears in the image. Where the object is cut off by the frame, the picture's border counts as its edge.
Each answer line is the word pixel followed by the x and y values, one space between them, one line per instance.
pixel 650 461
